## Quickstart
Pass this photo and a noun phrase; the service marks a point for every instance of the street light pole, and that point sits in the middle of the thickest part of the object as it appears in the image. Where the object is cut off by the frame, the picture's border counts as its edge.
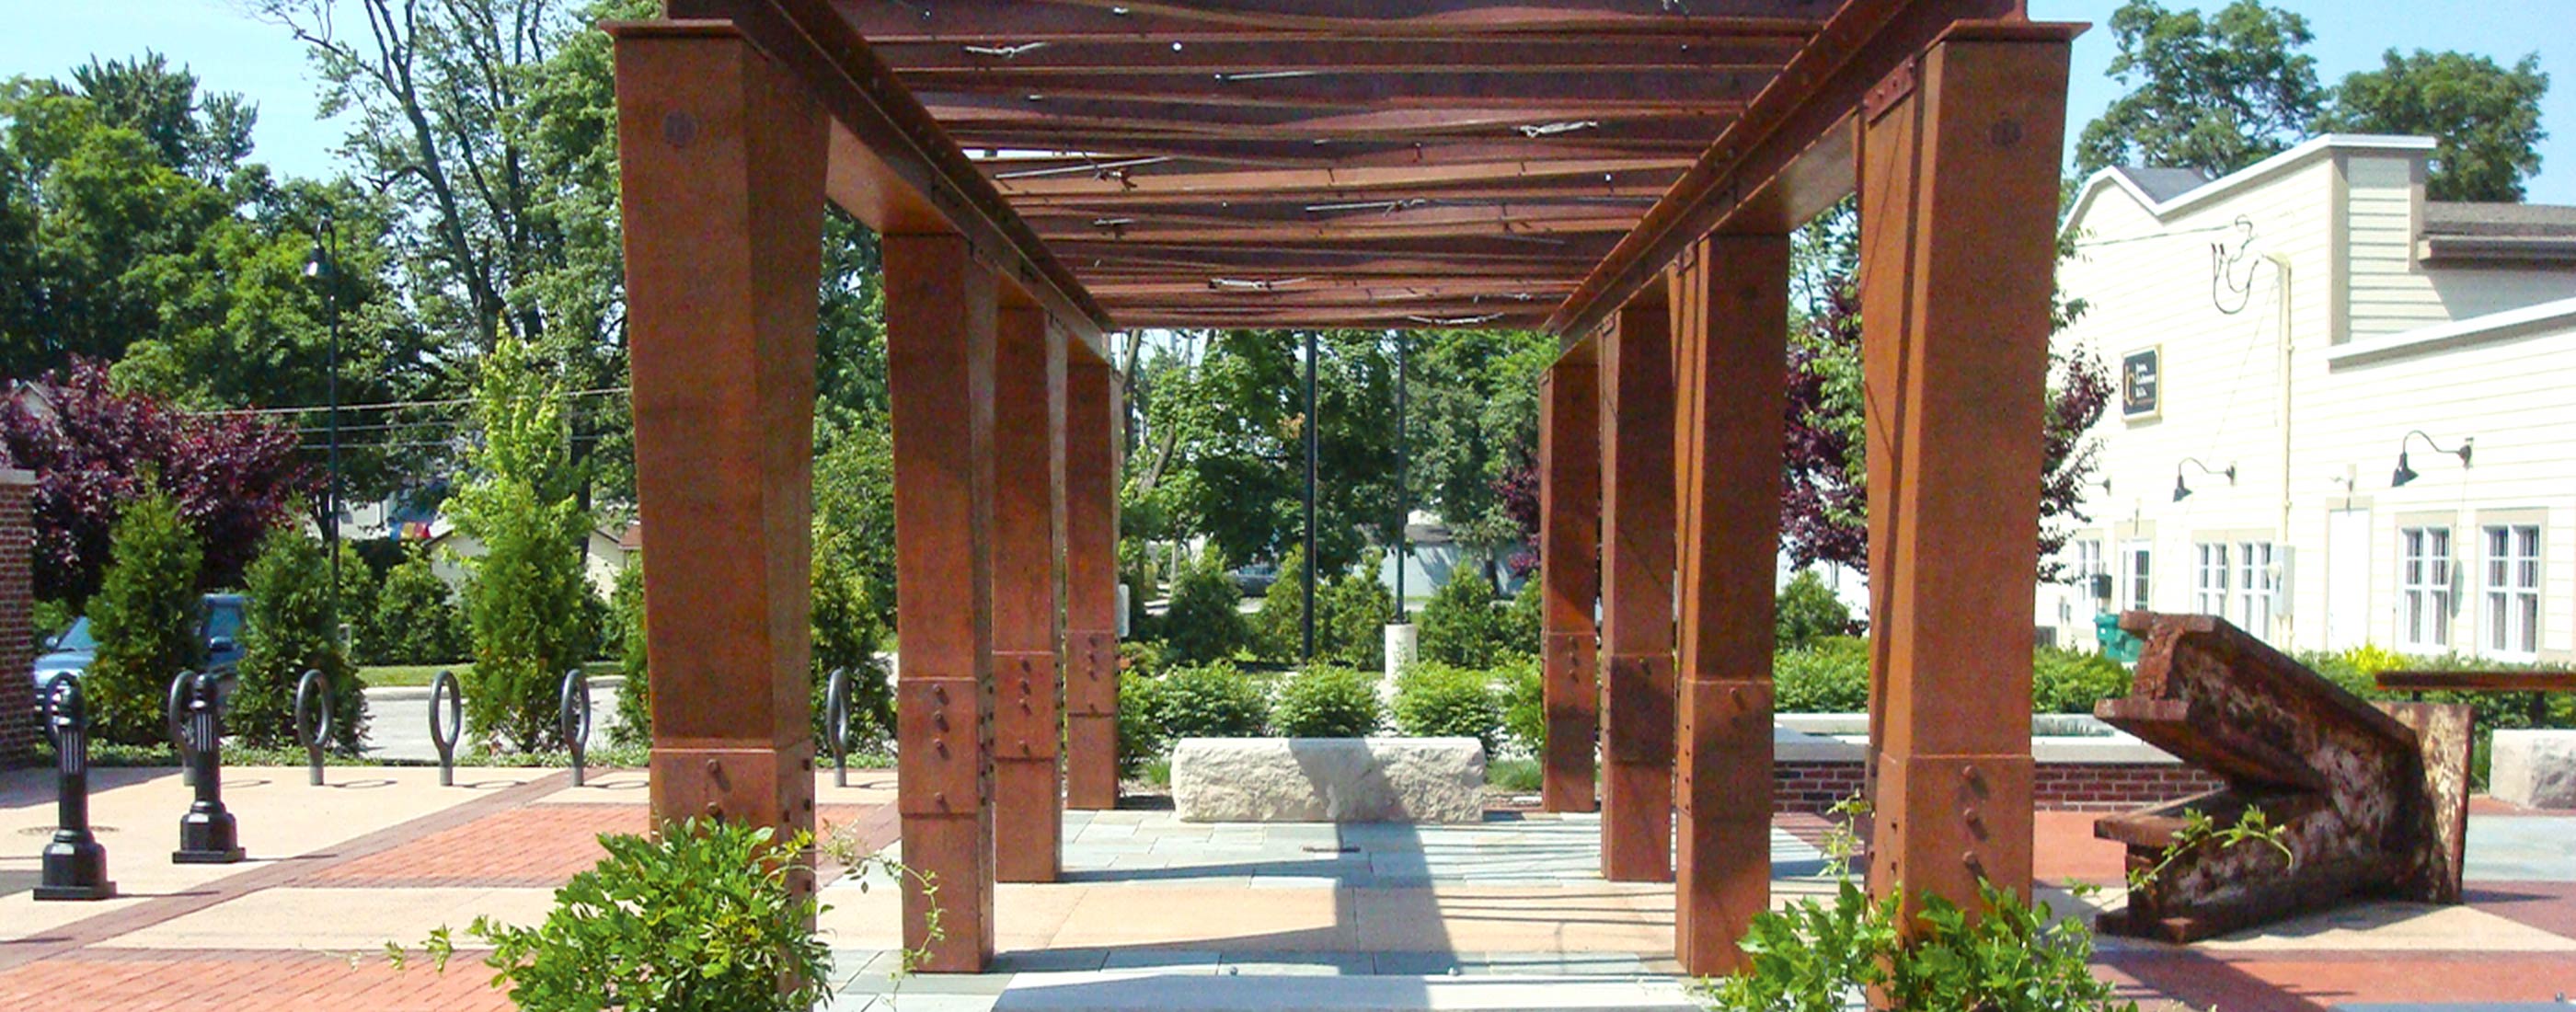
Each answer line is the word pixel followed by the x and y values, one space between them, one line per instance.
pixel 1307 620
pixel 1403 504
pixel 323 268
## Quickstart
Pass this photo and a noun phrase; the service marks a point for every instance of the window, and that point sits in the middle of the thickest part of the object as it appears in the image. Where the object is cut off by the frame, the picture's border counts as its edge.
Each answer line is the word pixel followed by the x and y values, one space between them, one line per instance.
pixel 2088 571
pixel 2513 590
pixel 2209 579
pixel 2424 587
pixel 2257 585
pixel 2138 557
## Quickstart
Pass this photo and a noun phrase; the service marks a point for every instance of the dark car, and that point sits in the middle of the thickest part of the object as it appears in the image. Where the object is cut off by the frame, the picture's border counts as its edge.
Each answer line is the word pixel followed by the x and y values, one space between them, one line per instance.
pixel 1253 579
pixel 221 629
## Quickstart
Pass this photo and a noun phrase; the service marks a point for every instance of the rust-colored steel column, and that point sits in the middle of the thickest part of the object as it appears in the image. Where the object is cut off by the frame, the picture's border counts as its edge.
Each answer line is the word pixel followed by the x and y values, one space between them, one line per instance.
pixel 1091 582
pixel 1958 189
pixel 1028 548
pixel 939 318
pixel 1569 505
pixel 721 155
pixel 1637 595
pixel 1731 320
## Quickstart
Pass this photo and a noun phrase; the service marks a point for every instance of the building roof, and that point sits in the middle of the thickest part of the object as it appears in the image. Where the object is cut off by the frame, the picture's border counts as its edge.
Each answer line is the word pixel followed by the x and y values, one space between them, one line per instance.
pixel 2516 220
pixel 2165 193
pixel 2163 184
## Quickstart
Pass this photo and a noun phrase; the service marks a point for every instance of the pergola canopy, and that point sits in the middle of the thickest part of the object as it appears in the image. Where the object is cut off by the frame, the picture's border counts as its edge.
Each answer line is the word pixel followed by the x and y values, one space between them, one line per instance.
pixel 1361 163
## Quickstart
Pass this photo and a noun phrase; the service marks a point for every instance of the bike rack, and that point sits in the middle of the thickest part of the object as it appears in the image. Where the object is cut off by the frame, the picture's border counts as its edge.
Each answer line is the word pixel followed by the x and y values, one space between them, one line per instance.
pixel 176 723
pixel 75 866
pixel 574 719
pixel 314 723
pixel 443 734
pixel 836 721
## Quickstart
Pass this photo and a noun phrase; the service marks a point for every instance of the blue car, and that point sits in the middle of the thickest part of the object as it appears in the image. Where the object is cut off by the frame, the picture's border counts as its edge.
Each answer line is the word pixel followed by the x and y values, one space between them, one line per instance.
pixel 72 651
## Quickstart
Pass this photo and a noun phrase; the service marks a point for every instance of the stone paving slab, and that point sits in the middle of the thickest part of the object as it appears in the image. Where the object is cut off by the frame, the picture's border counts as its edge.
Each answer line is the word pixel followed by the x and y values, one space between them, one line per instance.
pixel 339 920
pixel 1113 991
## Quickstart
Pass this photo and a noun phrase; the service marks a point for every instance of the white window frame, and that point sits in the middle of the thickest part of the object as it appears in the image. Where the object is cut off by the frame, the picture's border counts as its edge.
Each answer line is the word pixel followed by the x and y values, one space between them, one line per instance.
pixel 2510 627
pixel 2424 596
pixel 2209 578
pixel 2137 576
pixel 2257 587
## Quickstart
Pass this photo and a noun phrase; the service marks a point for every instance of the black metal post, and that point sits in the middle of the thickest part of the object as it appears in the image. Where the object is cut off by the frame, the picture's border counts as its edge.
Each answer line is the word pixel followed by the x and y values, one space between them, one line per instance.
pixel 1403 462
pixel 75 866
pixel 443 735
pixel 326 266
pixel 1307 619
pixel 207 834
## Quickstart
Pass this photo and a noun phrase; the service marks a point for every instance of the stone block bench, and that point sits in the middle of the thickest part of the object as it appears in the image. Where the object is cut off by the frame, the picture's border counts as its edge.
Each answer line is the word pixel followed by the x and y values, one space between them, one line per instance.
pixel 1329 780
pixel 2534 769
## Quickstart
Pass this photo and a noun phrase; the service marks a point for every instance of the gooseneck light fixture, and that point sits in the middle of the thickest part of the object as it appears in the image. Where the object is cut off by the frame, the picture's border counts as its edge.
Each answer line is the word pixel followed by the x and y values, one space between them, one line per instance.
pixel 2183 491
pixel 2405 474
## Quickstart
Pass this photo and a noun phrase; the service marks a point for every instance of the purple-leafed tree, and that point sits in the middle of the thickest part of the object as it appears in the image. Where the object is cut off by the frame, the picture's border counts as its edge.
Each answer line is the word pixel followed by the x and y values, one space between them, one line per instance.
pixel 94 448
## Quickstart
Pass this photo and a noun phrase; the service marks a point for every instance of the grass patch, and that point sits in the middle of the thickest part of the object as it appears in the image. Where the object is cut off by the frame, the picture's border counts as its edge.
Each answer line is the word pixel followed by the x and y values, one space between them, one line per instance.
pixel 1518 775
pixel 1158 772
pixel 386 676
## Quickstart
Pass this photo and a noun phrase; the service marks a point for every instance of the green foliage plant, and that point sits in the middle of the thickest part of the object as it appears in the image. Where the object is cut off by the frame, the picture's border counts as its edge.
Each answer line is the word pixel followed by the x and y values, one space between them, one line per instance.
pixel 1524 692
pixel 287 631
pixel 359 588
pixel 847 632
pixel 1524 617
pixel 527 594
pixel 2071 681
pixel 1278 629
pixel 2199 830
pixel 146 617
pixel 1351 614
pixel 1140 727
pixel 1459 624
pixel 703 915
pixel 1213 700
pixel 1202 624
pixel 634 665
pixel 1434 700
pixel 1325 701
pixel 417 620
pixel 1829 675
pixel 1809 610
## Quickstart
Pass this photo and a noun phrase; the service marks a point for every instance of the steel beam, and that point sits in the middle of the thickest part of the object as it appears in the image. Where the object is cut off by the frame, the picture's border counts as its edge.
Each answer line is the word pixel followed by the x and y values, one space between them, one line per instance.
pixel 1730 313
pixel 1569 452
pixel 721 157
pixel 1959 178
pixel 940 334
pixel 1637 720
pixel 1092 418
pixel 1028 625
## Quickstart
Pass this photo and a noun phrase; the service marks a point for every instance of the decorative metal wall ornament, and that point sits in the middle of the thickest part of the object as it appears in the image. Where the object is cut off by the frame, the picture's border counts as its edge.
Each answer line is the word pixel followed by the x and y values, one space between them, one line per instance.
pixel 443 734
pixel 574 720
pixel 313 719
pixel 75 866
pixel 207 834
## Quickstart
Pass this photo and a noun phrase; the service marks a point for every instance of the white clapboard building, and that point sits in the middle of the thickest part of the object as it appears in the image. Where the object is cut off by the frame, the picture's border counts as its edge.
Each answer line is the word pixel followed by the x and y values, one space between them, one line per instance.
pixel 2347 413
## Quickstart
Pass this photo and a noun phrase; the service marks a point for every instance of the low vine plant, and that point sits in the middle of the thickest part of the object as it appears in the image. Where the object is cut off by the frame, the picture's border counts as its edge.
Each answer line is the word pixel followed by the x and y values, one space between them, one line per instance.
pixel 702 915
pixel 1828 955
pixel 2199 830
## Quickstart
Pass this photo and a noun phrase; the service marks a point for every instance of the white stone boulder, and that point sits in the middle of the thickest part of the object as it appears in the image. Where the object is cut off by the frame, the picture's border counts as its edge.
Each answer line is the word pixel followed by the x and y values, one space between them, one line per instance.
pixel 1329 780
pixel 2534 769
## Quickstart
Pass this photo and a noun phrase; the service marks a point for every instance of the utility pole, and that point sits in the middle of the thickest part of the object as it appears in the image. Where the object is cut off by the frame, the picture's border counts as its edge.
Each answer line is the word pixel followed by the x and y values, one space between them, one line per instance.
pixel 1307 620
pixel 323 268
pixel 1403 462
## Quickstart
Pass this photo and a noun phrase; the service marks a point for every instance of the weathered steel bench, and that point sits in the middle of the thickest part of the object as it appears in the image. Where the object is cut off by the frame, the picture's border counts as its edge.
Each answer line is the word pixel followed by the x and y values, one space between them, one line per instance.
pixel 2370 800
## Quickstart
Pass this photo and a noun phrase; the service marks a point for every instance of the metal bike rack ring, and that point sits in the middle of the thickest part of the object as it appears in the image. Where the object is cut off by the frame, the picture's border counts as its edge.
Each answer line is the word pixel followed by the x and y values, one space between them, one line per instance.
pixel 314 722
pixel 443 734
pixel 574 719
pixel 836 722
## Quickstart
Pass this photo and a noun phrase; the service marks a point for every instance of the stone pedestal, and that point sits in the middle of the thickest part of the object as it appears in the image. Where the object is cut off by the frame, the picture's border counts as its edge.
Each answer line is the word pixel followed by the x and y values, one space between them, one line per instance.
pixel 2534 769
pixel 1329 780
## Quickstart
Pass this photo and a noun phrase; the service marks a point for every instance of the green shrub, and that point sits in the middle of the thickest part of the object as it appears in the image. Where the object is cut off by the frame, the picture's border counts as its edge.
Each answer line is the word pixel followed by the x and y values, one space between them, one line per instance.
pixel 286 631
pixel 847 632
pixel 359 588
pixel 1524 619
pixel 1327 702
pixel 1202 623
pixel 526 598
pixel 1524 692
pixel 1351 615
pixel 1829 675
pixel 1214 700
pixel 1434 700
pixel 417 621
pixel 1810 610
pixel 2070 681
pixel 1278 629
pixel 1819 954
pixel 704 915
pixel 1140 727
pixel 1143 656
pixel 146 616
pixel 1460 626
pixel 635 693
pixel 1516 775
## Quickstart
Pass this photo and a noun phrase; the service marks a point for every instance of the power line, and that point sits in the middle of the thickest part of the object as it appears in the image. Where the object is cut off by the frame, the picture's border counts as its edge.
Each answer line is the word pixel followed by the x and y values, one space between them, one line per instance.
pixel 445 402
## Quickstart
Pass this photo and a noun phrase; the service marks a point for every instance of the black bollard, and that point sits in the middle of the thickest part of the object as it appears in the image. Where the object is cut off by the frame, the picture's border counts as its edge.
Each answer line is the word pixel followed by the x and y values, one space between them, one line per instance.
pixel 574 721
pixel 207 834
pixel 444 735
pixel 836 720
pixel 313 720
pixel 75 866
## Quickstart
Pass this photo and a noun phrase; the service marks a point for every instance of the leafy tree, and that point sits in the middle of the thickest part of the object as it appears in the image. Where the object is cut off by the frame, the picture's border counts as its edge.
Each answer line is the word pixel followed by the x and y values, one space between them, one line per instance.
pixel 146 618
pixel 93 448
pixel 847 632
pixel 1472 430
pixel 2216 93
pixel 2484 119
pixel 417 621
pixel 525 597
pixel 286 631
pixel 1460 625
pixel 635 693
pixel 854 501
pixel 1809 610
pixel 1202 624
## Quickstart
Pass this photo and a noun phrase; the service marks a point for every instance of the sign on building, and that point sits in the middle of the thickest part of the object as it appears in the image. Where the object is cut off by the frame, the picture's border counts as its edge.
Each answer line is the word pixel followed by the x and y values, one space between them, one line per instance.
pixel 2142 383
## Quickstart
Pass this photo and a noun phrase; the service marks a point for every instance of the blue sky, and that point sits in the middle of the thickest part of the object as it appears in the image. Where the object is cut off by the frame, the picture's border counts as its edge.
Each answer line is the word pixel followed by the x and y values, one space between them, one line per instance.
pixel 232 52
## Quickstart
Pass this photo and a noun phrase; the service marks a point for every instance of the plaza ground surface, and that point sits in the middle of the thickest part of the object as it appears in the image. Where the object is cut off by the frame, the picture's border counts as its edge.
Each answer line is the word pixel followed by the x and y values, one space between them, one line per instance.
pixel 1152 913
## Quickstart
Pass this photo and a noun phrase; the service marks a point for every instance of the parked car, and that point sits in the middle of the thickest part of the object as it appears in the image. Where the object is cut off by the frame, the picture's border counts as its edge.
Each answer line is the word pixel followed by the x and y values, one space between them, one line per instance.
pixel 1253 579
pixel 220 629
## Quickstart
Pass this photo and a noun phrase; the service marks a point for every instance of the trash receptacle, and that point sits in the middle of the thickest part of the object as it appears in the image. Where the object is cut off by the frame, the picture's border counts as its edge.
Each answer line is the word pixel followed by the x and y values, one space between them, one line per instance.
pixel 2116 642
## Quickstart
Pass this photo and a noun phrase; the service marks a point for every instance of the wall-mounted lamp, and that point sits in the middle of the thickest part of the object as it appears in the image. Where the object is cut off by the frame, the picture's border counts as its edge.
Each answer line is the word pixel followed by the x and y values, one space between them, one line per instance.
pixel 2406 474
pixel 2183 491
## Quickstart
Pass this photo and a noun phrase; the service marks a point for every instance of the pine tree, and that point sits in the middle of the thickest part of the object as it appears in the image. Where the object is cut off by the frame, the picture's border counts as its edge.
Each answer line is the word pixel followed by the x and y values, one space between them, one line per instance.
pixel 286 631
pixel 525 598
pixel 146 617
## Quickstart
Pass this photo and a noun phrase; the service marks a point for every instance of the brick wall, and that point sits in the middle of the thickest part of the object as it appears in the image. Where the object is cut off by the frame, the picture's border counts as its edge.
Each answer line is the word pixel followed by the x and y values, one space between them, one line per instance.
pixel 18 730
pixel 2081 787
